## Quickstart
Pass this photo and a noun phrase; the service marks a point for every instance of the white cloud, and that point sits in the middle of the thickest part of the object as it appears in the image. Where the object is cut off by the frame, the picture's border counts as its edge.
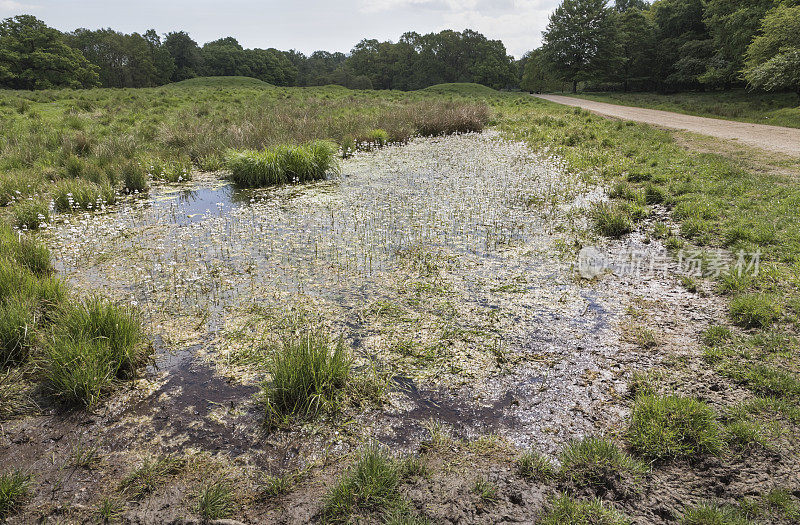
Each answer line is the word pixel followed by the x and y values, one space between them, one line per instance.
pixel 518 23
pixel 16 8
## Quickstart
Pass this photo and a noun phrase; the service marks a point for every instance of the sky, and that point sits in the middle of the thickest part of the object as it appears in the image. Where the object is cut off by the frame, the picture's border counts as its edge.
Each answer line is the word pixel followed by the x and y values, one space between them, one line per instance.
pixel 305 25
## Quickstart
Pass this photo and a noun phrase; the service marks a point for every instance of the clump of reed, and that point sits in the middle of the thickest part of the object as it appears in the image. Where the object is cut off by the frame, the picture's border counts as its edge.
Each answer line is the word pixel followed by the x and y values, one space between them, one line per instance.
pixel 446 118
pixel 282 164
pixel 81 194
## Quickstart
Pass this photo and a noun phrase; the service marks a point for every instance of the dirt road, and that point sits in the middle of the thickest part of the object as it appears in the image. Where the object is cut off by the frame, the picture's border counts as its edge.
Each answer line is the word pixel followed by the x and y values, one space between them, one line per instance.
pixel 770 138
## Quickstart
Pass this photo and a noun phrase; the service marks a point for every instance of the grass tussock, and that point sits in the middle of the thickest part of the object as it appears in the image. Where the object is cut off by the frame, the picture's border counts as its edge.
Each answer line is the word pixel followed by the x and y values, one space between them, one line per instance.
pixel 32 214
pixel 307 375
pixel 712 514
pixel 754 310
pixel 611 220
pixel 533 466
pixel 282 164
pixel 216 501
pixel 79 194
pixel 369 485
pixel 598 462
pixel 14 489
pixel 565 510
pixel 151 474
pixel 674 427
pixel 95 345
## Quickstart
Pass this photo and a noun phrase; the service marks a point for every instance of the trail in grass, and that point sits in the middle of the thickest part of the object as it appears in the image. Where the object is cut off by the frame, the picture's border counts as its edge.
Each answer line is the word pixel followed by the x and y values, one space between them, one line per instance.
pixel 770 138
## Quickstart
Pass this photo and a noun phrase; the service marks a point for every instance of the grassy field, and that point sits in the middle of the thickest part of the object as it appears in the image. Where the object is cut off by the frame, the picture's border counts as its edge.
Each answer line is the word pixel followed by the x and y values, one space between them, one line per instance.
pixel 780 109
pixel 83 148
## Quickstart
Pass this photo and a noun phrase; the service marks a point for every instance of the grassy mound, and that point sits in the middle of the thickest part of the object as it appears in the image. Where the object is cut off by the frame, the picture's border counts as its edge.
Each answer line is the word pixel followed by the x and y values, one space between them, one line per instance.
pixel 226 82
pixel 282 164
pixel 461 88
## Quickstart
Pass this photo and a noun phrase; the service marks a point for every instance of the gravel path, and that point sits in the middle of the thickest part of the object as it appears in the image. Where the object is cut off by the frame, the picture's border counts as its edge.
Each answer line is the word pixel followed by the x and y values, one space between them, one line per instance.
pixel 770 138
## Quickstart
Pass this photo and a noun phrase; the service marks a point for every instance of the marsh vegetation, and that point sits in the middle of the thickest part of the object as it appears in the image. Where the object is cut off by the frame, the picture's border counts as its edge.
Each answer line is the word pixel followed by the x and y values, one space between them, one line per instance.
pixel 325 305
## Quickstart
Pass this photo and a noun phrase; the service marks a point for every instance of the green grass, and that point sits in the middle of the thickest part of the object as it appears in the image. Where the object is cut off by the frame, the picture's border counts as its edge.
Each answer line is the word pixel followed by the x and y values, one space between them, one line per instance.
pixel 134 178
pixel 307 375
pixel 754 310
pixel 461 88
pixel 712 514
pixel 150 475
pixel 79 194
pixel 221 82
pixel 215 501
pixel 486 491
pixel 611 220
pixel 369 485
pixel 564 510
pixel 282 164
pixel 14 489
pixel 598 462
pixel 31 214
pixel 777 109
pixel 533 466
pixel 95 344
pixel 673 427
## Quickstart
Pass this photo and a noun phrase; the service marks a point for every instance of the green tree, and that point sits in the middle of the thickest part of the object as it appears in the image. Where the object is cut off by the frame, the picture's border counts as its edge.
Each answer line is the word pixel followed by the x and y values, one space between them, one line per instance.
pixel 538 74
pixel 34 56
pixel 732 25
pixel 684 47
pixel 123 60
pixel 634 50
pixel 773 58
pixel 575 39
pixel 185 55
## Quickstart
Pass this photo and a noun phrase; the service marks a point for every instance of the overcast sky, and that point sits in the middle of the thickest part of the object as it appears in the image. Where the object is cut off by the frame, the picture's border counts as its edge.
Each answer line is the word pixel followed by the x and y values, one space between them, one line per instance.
pixel 305 25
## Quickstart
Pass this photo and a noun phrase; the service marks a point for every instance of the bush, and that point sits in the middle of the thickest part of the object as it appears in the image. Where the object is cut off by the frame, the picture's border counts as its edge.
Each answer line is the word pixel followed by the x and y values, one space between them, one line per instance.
pixel 378 137
pixel 282 164
pixel 673 427
pixel 31 214
pixel 70 195
pixel 754 310
pixel 306 375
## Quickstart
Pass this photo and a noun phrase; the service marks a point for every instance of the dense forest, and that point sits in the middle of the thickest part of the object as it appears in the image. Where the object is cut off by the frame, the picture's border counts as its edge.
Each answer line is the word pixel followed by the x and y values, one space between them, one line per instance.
pixel 667 46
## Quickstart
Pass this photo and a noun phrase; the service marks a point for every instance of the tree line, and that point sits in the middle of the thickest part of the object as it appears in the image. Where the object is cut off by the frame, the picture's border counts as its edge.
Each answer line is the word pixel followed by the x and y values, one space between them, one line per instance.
pixel 35 56
pixel 666 45
pixel 669 46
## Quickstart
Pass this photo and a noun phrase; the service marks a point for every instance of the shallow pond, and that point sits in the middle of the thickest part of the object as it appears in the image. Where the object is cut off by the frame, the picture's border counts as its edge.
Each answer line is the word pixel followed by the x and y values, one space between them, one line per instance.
pixel 446 263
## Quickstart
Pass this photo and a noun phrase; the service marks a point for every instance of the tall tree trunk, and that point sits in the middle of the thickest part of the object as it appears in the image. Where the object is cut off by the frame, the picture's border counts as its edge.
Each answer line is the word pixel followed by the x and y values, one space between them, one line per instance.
pixel 574 86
